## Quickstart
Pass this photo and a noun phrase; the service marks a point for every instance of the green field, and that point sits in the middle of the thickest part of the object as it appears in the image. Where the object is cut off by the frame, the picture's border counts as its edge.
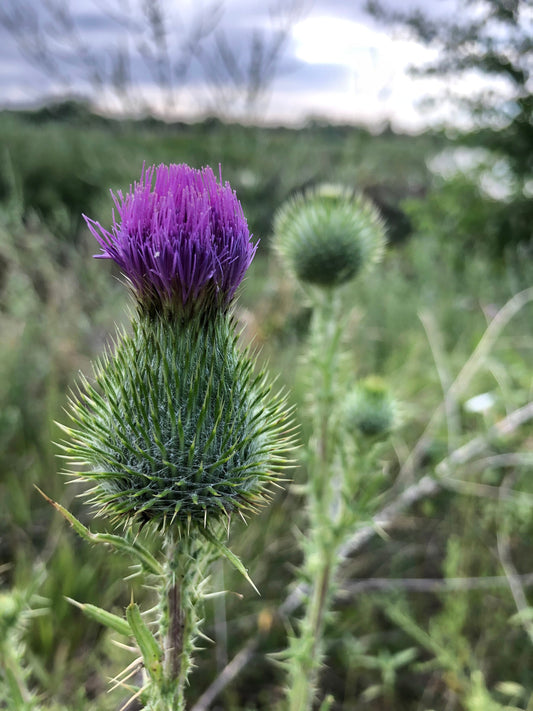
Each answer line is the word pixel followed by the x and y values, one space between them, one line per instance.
pixel 449 269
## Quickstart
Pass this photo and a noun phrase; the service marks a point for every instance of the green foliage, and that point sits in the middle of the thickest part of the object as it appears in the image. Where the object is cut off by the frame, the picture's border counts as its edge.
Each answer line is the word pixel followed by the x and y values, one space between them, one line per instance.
pixel 62 167
pixel 17 606
pixel 456 212
pixel 490 39
pixel 49 183
pixel 48 327
pixel 457 216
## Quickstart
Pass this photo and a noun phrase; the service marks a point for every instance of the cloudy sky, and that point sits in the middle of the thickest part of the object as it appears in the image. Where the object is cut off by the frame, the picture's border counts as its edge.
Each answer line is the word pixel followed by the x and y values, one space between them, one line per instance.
pixel 335 61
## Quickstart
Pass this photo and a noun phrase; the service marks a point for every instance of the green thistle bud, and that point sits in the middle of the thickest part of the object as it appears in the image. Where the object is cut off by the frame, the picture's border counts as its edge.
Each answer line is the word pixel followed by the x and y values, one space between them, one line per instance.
pixel 178 430
pixel 326 236
pixel 369 408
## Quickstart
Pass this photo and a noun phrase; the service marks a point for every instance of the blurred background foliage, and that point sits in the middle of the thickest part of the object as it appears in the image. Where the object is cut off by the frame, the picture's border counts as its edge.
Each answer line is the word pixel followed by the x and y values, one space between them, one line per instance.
pixel 458 250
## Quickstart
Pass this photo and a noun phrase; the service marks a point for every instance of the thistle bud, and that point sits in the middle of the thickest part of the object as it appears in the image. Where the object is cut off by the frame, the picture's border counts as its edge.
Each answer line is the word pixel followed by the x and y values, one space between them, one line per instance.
pixel 369 408
pixel 178 429
pixel 177 426
pixel 326 236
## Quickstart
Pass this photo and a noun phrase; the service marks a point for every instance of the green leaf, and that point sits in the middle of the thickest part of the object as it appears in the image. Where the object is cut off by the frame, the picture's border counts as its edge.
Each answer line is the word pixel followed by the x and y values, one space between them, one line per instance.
pixel 511 689
pixel 108 619
pixel 145 558
pixel 525 615
pixel 141 554
pixel 150 650
pixel 14 690
pixel 226 553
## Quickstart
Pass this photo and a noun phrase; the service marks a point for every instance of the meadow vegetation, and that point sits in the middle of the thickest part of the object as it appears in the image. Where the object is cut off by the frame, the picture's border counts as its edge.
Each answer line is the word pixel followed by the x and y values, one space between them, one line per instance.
pixel 431 609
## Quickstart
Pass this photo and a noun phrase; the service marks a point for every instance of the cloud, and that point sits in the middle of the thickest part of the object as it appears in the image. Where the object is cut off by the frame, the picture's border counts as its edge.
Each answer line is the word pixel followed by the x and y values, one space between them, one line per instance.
pixel 337 61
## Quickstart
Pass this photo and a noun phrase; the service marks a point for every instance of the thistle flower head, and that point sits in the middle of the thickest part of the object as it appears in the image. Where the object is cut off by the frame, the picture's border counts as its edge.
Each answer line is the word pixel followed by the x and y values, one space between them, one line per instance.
pixel 181 240
pixel 178 429
pixel 369 408
pixel 327 235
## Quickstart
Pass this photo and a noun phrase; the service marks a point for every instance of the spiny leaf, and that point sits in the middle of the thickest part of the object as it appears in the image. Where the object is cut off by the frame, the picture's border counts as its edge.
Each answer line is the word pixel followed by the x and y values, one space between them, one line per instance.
pixel 150 650
pixel 134 549
pixel 229 555
pixel 108 619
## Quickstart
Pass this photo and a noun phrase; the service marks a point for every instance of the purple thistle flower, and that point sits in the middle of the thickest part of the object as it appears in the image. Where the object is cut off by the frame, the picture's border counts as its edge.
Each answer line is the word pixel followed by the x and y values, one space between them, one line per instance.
pixel 184 245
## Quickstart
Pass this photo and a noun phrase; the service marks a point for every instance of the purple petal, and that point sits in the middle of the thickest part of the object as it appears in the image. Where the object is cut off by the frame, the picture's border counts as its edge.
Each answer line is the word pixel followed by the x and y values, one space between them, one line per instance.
pixel 184 243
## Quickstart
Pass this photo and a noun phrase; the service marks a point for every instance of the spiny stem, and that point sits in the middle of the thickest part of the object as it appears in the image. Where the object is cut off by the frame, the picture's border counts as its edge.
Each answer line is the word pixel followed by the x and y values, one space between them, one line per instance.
pixel 176 626
pixel 174 636
pixel 305 653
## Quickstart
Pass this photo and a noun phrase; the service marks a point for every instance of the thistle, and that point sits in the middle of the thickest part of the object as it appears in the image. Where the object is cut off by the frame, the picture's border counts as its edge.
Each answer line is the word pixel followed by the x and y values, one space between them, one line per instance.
pixel 327 235
pixel 17 607
pixel 178 431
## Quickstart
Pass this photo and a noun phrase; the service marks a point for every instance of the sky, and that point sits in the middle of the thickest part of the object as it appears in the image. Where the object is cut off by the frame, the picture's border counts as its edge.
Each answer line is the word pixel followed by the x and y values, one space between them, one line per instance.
pixel 337 63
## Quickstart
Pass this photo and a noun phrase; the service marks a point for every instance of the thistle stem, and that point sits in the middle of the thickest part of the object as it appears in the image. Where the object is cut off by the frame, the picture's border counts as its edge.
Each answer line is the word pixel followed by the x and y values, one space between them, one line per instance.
pixel 305 674
pixel 320 559
pixel 173 648
pixel 178 624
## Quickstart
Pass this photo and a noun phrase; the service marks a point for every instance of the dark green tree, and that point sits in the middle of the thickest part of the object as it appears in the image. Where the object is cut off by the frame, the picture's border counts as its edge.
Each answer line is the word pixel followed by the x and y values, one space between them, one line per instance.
pixel 491 40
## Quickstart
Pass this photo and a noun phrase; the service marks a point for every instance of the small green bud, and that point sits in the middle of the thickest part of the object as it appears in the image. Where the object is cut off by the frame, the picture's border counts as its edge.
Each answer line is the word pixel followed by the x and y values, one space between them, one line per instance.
pixel 369 408
pixel 327 235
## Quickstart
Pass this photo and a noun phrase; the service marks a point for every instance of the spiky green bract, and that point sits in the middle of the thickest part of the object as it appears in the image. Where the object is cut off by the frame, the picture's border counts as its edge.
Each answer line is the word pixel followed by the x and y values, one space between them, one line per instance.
pixel 369 408
pixel 178 429
pixel 327 235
